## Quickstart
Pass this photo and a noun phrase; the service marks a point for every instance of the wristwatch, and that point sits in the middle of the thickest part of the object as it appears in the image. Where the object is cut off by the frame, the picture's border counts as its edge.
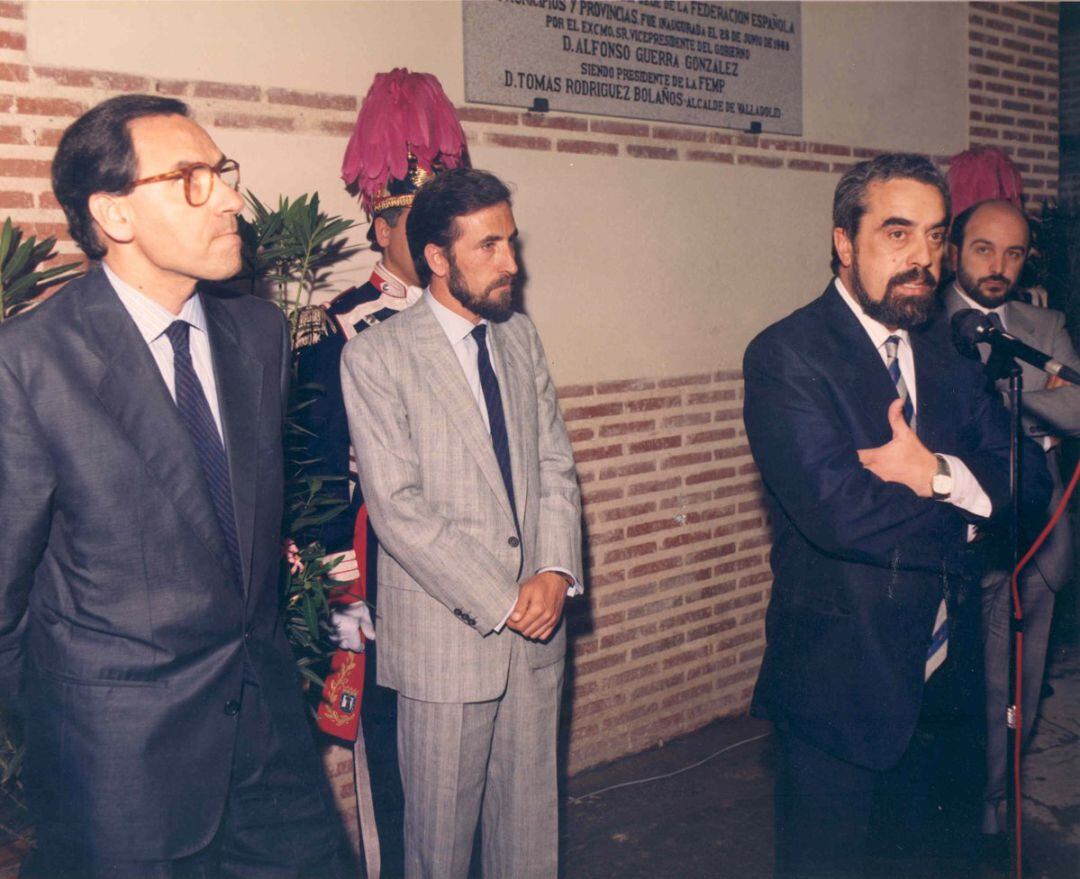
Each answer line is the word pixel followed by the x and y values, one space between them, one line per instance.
pixel 941 483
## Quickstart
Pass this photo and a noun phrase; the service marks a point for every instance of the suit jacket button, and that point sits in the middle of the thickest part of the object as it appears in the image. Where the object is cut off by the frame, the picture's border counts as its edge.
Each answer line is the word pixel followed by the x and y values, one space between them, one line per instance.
pixel 232 708
pixel 457 611
pixel 514 542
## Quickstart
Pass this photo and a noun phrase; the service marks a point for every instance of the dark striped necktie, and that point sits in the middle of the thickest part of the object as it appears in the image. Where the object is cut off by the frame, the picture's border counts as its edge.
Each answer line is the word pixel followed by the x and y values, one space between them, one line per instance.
pixel 892 361
pixel 195 410
pixel 489 383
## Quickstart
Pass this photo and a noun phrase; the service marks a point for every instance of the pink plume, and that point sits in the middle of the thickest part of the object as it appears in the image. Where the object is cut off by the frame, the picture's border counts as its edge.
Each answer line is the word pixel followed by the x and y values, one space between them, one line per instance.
pixel 983 173
pixel 402 113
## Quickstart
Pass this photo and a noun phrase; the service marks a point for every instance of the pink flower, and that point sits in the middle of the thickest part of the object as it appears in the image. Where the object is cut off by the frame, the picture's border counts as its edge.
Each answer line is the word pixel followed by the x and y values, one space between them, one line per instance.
pixel 291 552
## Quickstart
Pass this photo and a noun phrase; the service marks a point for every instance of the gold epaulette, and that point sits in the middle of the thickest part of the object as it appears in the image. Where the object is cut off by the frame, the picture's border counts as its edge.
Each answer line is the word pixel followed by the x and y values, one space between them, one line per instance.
pixel 312 324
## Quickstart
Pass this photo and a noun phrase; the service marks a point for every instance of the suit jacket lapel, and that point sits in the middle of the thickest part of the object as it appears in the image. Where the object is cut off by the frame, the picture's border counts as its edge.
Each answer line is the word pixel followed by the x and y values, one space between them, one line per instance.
pixel 238 375
pixel 131 390
pixel 858 365
pixel 451 390
pixel 512 366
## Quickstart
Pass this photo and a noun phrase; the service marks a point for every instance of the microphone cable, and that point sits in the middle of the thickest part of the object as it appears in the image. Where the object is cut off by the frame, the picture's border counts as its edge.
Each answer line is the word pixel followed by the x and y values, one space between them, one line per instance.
pixel 1018 688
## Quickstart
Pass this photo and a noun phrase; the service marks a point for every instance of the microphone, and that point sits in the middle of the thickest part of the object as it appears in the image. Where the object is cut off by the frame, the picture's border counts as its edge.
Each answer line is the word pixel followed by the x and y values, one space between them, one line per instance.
pixel 970 326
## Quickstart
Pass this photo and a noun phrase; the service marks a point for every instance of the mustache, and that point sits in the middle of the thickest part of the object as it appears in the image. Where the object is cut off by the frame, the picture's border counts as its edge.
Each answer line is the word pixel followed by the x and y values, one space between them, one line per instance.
pixel 1000 279
pixel 913 276
pixel 501 281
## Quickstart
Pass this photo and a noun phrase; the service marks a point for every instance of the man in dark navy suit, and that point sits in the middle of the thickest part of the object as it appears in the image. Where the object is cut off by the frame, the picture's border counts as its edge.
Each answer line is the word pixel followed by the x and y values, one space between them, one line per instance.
pixel 879 446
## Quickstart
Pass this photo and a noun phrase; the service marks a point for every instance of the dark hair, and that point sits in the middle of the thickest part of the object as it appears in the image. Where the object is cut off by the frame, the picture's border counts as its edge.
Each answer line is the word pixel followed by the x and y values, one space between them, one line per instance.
pixel 439 202
pixel 96 155
pixel 959 225
pixel 849 200
pixel 391 215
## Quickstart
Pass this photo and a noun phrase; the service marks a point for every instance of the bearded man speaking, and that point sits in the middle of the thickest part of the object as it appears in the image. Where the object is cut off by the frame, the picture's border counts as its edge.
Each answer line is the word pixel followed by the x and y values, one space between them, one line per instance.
pixel 878 445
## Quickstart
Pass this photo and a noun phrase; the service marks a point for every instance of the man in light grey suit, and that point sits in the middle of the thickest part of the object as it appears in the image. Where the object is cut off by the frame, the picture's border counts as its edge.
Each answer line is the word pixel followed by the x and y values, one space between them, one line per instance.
pixel 988 247
pixel 470 484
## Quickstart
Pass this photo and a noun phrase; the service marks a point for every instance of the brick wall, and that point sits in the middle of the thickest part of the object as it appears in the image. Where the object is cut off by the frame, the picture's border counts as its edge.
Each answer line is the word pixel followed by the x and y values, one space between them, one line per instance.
pixel 1070 107
pixel 670 635
pixel 1013 89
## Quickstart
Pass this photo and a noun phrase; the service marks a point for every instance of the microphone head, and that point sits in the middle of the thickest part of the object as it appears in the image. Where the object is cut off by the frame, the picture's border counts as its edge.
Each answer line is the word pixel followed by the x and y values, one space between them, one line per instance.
pixel 969 325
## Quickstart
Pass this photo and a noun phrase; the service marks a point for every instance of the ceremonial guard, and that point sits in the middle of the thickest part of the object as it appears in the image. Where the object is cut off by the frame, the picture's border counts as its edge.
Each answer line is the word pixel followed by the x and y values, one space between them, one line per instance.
pixel 406 132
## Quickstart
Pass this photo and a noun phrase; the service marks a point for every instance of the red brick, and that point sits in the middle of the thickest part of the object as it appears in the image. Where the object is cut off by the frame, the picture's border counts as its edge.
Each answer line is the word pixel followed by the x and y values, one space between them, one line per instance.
pixel 583 669
pixel 685 380
pixel 624 129
pixel 581 434
pixel 486 116
pixel 172 87
pixel 315 100
pixel 654 445
pixel 792 146
pixel 11 10
pixel 25 168
pixel 653 403
pixel 628 512
pixel 228 91
pixel 11 40
pixel 518 141
pixel 645 151
pixel 708 630
pixel 686 459
pixel 575 391
pixel 807 165
pixel 601 495
pixel 625 427
pixel 685 538
pixel 14 72
pixel 829 149
pixel 588 147
pixel 563 123
pixel 711 436
pixel 723 375
pixel 716 475
pixel 250 120
pixel 660 646
pixel 710 156
pixel 628 593
pixel 667 132
pixel 598 453
pixel 747 140
pixel 760 161
pixel 14 199
pixel 735 527
pixel 48 201
pixel 686 578
pixel 49 107
pixel 631 469
pixel 12 134
pixel 599 410
pixel 654 485
pixel 48 136
pixel 624 385
pixel 721 139
pixel 688 420
pixel 643 528
pixel 651 607
pixel 629 552
pixel 686 656
pixel 614 639
pixel 685 500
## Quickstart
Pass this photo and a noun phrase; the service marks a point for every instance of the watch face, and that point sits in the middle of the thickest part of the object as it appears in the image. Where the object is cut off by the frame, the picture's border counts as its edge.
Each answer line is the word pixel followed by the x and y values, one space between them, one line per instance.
pixel 941 484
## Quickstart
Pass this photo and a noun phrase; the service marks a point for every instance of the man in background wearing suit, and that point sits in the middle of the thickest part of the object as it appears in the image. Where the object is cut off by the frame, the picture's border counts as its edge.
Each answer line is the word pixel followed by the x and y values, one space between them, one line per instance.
pixel 988 245
pixel 141 465
pixel 877 445
pixel 469 480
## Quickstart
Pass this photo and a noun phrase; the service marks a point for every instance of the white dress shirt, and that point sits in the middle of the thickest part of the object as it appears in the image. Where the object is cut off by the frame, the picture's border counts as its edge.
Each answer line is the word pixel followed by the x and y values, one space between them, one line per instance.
pixel 967 494
pixel 459 333
pixel 152 320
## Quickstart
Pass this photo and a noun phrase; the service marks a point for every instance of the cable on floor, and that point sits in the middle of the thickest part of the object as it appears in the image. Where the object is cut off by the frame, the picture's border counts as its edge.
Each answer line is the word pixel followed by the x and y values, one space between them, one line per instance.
pixel 637 781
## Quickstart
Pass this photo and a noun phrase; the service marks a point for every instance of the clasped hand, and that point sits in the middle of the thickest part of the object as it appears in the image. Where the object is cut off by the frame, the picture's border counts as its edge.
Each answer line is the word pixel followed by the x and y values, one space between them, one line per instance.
pixel 539 606
pixel 903 459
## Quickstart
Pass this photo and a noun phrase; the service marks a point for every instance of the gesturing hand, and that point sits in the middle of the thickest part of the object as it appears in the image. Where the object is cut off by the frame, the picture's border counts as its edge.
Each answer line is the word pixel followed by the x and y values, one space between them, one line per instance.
pixel 903 459
pixel 539 606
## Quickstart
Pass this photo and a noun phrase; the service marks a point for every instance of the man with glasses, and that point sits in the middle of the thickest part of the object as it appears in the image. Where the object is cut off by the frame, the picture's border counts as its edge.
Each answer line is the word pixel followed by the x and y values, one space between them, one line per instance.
pixel 141 465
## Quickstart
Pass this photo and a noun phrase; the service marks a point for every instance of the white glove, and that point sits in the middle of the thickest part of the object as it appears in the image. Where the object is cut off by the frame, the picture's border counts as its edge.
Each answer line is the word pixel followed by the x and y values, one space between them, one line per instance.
pixel 348 623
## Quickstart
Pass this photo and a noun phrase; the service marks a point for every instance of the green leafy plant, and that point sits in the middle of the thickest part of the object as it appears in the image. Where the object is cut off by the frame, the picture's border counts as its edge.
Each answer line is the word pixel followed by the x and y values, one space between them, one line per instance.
pixel 292 248
pixel 21 281
pixel 290 251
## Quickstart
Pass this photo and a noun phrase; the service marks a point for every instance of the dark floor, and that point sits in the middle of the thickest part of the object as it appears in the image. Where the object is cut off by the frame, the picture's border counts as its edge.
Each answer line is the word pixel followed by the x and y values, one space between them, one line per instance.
pixel 716 820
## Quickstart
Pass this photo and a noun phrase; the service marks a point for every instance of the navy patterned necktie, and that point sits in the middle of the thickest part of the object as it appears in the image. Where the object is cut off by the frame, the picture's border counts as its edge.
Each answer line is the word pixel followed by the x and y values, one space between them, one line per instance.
pixel 195 410
pixel 489 383
pixel 892 361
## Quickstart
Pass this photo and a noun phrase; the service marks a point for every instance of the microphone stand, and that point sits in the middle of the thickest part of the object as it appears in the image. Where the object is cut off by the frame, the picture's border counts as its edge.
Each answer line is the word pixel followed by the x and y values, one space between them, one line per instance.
pixel 1002 365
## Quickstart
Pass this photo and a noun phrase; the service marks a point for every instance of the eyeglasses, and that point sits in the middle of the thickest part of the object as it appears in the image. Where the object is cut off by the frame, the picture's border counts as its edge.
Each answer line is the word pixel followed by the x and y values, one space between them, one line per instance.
pixel 199 179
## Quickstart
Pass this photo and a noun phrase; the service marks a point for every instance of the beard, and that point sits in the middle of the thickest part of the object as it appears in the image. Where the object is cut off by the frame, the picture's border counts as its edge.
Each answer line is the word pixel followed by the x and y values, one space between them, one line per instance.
pixel 487 304
pixel 896 309
pixel 973 288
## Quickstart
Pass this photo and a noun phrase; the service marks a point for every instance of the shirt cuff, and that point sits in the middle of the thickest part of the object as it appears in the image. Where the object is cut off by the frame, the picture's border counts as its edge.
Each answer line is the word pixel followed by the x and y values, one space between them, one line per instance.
pixel 967 494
